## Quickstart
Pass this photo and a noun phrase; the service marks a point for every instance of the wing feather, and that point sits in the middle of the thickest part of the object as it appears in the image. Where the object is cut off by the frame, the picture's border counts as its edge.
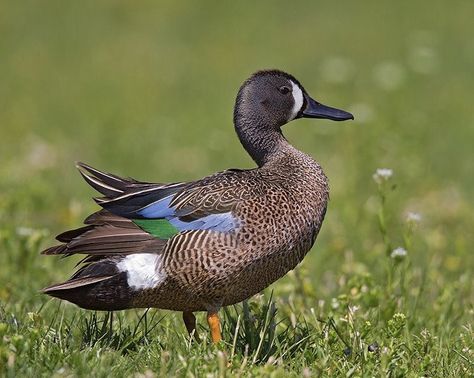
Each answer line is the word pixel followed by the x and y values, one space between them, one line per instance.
pixel 122 226
pixel 106 234
pixel 206 204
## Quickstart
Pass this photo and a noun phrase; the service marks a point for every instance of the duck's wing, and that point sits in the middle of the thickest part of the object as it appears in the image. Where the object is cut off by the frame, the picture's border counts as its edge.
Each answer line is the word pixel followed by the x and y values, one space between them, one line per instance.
pixel 140 217
pixel 165 210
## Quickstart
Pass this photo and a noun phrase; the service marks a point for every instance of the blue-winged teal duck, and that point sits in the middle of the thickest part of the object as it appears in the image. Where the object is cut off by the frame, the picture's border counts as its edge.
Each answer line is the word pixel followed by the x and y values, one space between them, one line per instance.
pixel 200 245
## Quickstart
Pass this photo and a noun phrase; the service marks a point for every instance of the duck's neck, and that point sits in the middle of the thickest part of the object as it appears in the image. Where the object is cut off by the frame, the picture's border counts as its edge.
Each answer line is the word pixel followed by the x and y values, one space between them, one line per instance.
pixel 264 143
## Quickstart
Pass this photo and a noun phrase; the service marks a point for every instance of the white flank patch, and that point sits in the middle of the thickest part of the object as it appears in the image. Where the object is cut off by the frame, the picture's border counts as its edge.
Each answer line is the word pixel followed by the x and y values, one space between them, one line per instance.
pixel 144 270
pixel 298 98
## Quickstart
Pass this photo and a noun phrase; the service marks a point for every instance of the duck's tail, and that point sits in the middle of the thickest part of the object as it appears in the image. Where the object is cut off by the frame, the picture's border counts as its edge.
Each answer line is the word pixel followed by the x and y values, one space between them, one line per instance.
pixel 121 257
pixel 98 286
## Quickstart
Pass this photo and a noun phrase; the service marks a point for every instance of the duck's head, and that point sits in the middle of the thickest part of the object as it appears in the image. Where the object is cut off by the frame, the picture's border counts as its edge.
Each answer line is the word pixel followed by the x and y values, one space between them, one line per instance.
pixel 273 98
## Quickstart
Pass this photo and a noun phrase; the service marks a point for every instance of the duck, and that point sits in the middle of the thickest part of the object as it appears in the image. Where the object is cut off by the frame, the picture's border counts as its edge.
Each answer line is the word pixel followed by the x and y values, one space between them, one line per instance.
pixel 204 244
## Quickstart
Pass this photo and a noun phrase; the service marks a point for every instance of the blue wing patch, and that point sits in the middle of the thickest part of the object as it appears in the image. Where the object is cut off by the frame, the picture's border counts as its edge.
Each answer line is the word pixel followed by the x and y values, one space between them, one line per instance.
pixel 158 209
pixel 221 222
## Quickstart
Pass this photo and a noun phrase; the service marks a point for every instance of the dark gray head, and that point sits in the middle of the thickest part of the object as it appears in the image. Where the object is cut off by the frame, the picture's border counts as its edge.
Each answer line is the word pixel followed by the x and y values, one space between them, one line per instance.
pixel 268 100
pixel 277 98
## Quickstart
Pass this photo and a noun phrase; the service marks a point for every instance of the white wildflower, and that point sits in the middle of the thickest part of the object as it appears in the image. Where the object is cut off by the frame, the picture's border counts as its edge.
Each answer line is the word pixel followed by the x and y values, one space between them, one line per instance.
pixel 385 173
pixel 398 253
pixel 382 174
pixel 413 217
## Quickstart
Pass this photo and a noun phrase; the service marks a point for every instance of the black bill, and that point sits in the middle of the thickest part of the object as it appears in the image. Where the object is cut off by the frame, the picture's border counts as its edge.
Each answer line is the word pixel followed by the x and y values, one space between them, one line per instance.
pixel 314 109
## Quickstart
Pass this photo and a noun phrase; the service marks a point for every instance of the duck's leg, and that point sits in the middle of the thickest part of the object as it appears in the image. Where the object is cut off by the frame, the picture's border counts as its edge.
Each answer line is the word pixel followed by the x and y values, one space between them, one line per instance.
pixel 214 325
pixel 190 323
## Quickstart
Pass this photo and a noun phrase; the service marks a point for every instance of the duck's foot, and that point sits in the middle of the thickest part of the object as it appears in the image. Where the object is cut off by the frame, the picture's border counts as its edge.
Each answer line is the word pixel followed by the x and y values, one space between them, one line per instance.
pixel 190 323
pixel 215 326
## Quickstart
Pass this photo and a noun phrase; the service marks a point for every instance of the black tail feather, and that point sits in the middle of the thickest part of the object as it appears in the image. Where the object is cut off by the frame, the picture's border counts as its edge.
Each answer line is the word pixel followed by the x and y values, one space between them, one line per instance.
pixel 110 185
pixel 101 292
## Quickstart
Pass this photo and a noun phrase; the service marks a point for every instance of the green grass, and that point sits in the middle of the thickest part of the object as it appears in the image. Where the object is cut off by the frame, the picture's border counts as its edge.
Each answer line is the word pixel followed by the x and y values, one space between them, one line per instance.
pixel 146 90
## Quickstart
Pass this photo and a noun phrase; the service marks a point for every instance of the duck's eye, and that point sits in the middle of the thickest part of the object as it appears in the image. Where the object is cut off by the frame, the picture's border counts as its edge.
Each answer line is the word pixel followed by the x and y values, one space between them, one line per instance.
pixel 284 90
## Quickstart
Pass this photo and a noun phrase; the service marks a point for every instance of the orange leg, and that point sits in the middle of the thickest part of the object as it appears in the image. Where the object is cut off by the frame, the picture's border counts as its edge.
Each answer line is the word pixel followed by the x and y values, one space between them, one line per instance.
pixel 215 326
pixel 190 323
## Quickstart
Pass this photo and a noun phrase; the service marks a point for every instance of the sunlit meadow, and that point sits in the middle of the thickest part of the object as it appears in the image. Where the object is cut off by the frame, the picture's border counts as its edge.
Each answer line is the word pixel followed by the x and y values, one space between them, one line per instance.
pixel 146 90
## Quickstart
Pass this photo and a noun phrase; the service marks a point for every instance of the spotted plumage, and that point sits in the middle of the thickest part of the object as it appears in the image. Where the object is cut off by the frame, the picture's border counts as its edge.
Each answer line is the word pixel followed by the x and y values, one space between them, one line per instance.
pixel 201 245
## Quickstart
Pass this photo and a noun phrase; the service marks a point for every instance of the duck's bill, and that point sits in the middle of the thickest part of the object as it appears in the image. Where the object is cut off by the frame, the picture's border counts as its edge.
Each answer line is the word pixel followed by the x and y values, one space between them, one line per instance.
pixel 314 109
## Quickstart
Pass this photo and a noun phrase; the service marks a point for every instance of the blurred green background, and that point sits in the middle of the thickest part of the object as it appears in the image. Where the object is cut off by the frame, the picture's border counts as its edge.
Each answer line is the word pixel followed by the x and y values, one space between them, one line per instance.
pixel 146 89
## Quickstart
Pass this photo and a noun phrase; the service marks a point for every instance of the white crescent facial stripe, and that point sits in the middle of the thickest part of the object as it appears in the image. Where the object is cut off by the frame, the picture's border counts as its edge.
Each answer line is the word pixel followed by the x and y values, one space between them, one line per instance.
pixel 298 98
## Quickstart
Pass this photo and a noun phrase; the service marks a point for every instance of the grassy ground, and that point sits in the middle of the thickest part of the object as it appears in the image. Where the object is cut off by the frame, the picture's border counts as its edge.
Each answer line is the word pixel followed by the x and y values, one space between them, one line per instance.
pixel 147 91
